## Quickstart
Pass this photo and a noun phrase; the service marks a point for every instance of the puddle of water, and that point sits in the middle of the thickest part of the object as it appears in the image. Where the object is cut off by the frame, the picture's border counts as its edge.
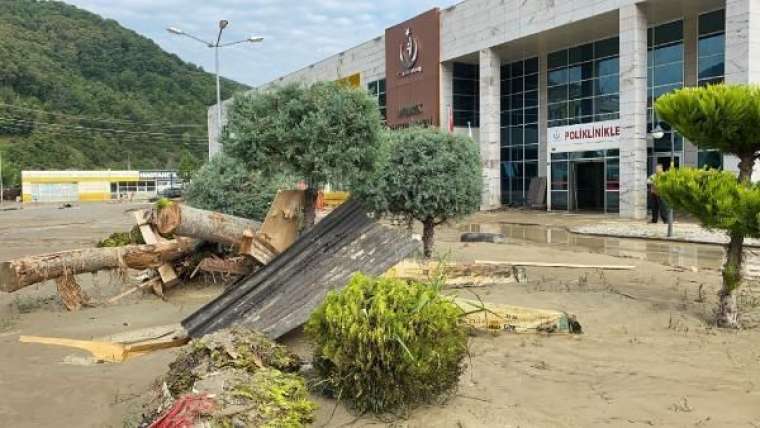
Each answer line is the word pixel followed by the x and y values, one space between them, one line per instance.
pixel 679 254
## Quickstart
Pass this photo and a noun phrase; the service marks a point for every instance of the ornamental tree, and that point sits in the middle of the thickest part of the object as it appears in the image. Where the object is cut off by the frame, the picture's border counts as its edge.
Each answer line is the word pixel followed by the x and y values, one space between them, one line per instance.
pixel 226 185
pixel 726 118
pixel 323 133
pixel 429 176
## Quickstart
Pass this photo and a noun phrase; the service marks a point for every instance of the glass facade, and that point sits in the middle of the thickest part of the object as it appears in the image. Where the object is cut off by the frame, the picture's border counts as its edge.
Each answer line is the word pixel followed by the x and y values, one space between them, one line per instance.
pixel 466 94
pixel 584 83
pixel 377 89
pixel 711 65
pixel 665 73
pixel 519 129
pixel 562 174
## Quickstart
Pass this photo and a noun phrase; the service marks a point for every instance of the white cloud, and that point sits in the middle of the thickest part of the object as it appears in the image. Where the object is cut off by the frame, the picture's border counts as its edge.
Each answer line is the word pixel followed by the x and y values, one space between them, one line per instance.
pixel 297 33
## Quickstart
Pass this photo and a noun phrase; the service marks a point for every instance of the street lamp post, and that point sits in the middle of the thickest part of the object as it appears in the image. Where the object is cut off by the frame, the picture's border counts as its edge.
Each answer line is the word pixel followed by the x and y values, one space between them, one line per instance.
pixel 222 25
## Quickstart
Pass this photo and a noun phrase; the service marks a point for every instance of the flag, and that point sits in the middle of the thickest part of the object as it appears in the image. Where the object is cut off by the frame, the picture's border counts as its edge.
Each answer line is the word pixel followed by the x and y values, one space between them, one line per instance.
pixel 451 119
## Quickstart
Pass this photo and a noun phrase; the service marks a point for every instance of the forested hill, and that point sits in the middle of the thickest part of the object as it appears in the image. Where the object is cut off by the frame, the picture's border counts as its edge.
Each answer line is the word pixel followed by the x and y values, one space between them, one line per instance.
pixel 80 91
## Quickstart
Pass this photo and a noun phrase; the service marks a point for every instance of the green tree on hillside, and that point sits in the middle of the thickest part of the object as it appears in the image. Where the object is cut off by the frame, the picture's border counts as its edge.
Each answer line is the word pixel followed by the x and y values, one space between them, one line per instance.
pixel 187 167
pixel 429 176
pixel 725 118
pixel 324 133
pixel 80 91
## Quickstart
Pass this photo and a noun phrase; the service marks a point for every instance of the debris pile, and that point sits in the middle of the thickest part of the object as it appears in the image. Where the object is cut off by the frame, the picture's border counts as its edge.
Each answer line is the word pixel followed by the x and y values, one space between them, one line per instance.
pixel 168 244
pixel 234 377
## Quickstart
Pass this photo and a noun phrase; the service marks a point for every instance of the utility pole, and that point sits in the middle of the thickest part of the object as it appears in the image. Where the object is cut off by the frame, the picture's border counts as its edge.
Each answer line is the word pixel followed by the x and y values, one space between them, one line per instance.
pixel 222 25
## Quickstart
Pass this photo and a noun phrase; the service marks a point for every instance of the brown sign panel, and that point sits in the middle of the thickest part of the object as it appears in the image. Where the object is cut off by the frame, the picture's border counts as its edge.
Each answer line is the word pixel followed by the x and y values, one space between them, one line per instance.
pixel 412 57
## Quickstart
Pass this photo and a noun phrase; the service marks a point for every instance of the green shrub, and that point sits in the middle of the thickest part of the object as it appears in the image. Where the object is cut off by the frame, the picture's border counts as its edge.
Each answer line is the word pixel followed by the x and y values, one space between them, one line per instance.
pixel 226 185
pixel 383 344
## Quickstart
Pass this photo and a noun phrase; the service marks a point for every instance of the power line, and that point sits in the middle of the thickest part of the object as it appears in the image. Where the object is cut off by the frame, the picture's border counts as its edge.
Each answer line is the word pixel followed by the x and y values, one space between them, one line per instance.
pixel 86 128
pixel 105 120
pixel 115 138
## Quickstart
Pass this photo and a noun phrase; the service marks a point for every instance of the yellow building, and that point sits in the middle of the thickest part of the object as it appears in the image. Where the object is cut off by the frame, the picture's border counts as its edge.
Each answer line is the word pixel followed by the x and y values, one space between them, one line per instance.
pixel 69 186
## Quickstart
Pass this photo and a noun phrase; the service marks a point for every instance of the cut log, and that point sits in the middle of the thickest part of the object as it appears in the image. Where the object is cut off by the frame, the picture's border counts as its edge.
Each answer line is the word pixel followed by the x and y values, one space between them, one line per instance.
pixel 25 271
pixel 280 228
pixel 210 226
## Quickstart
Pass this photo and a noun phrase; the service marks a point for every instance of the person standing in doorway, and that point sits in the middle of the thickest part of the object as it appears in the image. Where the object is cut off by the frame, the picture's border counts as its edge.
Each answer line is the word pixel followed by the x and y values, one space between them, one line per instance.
pixel 658 206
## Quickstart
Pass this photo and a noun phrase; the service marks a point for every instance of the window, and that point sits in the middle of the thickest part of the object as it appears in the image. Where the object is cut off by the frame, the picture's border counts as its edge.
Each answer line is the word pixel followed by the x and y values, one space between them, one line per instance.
pixel 377 89
pixel 584 83
pixel 466 94
pixel 519 129
pixel 711 65
pixel 665 73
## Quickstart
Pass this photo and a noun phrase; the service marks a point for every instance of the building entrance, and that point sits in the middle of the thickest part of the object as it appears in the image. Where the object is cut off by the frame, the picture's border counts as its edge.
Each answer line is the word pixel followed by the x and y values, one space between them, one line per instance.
pixel 588 184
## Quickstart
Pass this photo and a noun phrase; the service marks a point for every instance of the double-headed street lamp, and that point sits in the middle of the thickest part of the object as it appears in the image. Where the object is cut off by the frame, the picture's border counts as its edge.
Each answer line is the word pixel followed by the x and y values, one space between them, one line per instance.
pixel 222 25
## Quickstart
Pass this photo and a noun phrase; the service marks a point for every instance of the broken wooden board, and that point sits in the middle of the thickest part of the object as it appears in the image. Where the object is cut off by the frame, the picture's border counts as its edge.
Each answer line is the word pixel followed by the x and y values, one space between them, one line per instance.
pixel 281 295
pixel 166 270
pixel 112 351
pixel 232 265
pixel 280 227
pixel 515 319
pixel 257 248
pixel 455 274
pixel 558 265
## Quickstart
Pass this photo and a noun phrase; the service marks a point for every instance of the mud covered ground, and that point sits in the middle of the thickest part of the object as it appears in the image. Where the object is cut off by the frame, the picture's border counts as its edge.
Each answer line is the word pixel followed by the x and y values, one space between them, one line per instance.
pixel 649 355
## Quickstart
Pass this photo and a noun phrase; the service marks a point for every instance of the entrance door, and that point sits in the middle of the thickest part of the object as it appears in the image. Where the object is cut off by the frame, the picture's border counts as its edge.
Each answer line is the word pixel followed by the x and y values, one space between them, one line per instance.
pixel 589 186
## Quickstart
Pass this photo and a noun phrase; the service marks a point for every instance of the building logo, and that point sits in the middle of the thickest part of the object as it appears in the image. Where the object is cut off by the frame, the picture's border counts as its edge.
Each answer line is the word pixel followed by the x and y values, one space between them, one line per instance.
pixel 409 52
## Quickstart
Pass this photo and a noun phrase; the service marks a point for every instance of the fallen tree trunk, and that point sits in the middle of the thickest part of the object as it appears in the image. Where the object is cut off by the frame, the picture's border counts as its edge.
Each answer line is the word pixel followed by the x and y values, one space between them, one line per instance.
pixel 25 271
pixel 210 226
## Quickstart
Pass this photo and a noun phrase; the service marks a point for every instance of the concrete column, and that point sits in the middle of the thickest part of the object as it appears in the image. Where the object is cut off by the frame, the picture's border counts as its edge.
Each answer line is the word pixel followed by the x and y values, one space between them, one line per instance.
pixel 690 35
pixel 633 111
pixel 490 91
pixel 446 92
pixel 542 115
pixel 742 41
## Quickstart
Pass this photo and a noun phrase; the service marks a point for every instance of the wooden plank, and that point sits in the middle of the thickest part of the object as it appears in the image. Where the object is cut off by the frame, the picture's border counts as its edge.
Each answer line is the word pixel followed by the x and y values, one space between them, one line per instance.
pixel 166 271
pixel 558 265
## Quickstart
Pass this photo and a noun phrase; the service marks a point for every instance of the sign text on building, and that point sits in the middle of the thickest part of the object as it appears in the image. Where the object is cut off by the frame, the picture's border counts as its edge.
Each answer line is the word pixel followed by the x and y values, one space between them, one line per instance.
pixel 586 135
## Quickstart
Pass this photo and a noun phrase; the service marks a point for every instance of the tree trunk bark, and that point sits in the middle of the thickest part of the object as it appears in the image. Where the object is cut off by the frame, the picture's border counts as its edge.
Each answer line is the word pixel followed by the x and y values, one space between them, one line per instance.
pixel 209 226
pixel 728 313
pixel 732 278
pixel 428 237
pixel 310 207
pixel 25 271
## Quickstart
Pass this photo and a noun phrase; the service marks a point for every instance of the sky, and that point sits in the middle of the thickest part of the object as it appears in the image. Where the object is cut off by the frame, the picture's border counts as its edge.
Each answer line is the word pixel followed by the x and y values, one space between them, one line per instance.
pixel 296 33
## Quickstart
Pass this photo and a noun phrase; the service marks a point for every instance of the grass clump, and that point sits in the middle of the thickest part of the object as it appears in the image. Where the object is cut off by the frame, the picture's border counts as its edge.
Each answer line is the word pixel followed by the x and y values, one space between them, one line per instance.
pixel 162 203
pixel 120 239
pixel 267 398
pixel 384 344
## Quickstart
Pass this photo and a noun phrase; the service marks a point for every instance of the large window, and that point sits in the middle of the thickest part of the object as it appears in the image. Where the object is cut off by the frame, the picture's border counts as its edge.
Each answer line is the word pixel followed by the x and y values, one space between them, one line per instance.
pixel 665 73
pixel 466 94
pixel 519 129
pixel 711 65
pixel 377 89
pixel 584 83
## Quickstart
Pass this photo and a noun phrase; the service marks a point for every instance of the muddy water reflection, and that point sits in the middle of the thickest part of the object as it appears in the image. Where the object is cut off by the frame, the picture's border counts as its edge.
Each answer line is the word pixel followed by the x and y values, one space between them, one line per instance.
pixel 681 254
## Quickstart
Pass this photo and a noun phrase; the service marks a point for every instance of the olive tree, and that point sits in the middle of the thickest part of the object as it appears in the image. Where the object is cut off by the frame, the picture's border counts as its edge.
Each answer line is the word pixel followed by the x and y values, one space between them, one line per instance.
pixel 323 133
pixel 429 176
pixel 726 118
pixel 226 185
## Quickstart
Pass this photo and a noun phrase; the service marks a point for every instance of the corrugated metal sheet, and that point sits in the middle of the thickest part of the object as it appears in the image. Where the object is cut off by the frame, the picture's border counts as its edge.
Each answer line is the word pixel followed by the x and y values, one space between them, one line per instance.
pixel 282 295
